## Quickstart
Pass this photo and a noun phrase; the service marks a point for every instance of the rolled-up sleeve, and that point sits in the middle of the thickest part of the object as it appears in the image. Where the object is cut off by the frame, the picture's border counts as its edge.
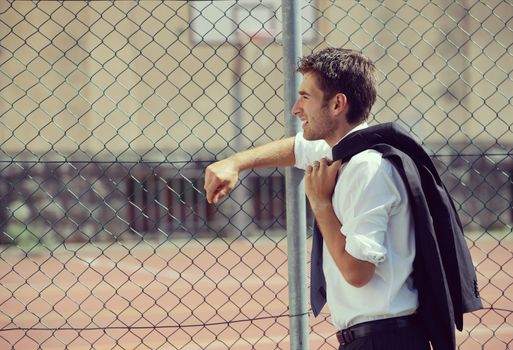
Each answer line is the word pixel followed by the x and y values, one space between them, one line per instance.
pixel 369 195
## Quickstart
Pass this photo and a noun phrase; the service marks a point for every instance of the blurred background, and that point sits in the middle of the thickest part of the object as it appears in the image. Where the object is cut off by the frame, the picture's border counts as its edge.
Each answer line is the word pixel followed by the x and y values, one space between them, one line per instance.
pixel 110 111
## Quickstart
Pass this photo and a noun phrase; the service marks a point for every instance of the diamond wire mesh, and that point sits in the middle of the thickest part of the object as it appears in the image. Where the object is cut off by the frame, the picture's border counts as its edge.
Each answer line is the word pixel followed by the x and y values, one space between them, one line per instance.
pixel 110 112
pixel 445 71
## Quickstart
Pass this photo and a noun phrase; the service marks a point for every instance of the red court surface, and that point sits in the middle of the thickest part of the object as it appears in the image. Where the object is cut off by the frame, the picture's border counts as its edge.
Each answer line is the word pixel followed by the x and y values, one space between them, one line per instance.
pixel 193 294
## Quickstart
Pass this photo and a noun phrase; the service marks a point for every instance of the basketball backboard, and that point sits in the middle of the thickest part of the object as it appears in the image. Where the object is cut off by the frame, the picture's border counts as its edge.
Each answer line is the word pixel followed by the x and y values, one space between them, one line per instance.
pixel 218 22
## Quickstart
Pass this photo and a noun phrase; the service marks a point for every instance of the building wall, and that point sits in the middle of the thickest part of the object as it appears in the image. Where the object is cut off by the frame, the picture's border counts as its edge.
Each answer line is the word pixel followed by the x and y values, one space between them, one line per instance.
pixel 126 80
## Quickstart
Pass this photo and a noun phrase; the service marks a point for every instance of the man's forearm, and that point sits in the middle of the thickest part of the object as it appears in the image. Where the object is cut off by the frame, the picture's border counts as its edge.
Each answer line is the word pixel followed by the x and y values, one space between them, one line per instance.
pixel 356 272
pixel 279 153
pixel 320 180
pixel 222 176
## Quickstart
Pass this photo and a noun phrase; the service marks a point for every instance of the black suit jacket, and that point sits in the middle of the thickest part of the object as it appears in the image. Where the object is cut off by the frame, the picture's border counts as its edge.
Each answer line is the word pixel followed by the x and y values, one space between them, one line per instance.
pixel 443 271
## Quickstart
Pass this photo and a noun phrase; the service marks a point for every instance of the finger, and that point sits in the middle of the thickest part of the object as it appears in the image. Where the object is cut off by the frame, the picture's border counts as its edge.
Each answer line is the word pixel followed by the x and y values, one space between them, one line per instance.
pixel 210 196
pixel 209 175
pixel 220 195
pixel 208 191
pixel 324 164
pixel 216 197
pixel 315 167
pixel 336 164
pixel 309 169
pixel 213 197
pixel 212 189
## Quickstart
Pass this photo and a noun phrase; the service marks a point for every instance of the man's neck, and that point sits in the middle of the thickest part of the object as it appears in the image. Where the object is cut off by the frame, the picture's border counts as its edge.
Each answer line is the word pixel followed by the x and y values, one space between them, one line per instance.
pixel 348 130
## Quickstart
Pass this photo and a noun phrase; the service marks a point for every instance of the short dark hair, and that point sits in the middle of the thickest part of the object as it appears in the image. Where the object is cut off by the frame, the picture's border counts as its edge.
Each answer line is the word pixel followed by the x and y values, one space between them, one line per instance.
pixel 344 71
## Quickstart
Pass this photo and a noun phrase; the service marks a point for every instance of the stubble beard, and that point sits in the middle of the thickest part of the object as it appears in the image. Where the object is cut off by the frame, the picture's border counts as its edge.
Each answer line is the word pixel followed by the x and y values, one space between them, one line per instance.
pixel 324 128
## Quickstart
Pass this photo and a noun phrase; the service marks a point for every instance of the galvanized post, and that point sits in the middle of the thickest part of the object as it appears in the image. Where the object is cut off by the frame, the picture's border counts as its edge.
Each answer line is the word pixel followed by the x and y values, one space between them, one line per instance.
pixel 296 213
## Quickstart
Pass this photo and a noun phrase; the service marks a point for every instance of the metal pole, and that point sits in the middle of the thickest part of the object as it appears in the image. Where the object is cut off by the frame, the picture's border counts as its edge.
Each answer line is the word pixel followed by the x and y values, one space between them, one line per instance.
pixel 240 195
pixel 295 197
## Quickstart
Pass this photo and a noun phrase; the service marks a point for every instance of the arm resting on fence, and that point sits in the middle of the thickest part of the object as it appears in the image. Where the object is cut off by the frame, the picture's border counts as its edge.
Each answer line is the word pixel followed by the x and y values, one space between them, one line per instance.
pixel 221 176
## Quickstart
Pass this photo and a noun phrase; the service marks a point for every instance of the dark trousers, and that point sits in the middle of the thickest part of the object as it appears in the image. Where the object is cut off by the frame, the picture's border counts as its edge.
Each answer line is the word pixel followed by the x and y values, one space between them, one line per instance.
pixel 409 338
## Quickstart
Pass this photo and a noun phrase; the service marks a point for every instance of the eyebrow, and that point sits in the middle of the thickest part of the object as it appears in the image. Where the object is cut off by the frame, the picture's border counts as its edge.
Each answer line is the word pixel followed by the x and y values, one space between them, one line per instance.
pixel 304 93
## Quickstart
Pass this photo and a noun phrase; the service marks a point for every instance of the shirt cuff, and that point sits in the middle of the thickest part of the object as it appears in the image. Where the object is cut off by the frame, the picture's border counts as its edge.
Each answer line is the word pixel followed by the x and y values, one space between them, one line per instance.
pixel 305 151
pixel 364 248
pixel 298 151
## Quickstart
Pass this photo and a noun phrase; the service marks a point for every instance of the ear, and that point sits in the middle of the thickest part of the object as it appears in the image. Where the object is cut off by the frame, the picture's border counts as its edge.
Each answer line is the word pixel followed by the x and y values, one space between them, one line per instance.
pixel 340 104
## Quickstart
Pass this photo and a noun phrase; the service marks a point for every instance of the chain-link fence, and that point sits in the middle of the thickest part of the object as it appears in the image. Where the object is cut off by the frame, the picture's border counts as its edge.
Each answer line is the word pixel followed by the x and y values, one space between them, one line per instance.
pixel 111 111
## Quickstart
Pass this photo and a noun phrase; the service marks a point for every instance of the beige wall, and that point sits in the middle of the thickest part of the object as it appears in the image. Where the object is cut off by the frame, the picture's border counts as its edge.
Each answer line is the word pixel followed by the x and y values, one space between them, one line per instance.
pixel 125 80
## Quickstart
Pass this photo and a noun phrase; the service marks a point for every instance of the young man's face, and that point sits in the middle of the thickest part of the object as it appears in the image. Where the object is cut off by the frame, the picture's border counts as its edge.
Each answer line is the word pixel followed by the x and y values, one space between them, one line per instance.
pixel 313 110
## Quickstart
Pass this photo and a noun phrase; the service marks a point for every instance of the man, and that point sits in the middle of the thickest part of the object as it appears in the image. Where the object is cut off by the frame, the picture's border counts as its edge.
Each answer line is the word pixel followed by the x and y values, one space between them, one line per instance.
pixel 362 208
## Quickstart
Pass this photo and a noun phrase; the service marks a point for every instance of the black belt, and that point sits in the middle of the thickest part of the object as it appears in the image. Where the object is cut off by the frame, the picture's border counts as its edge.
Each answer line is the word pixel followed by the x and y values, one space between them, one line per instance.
pixel 348 335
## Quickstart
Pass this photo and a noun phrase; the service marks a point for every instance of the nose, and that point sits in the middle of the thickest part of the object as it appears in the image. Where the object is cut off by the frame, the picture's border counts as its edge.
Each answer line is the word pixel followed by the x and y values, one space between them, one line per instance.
pixel 296 109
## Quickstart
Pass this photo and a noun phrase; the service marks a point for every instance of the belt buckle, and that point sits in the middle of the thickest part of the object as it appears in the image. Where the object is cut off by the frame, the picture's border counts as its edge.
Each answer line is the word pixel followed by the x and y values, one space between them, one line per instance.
pixel 346 337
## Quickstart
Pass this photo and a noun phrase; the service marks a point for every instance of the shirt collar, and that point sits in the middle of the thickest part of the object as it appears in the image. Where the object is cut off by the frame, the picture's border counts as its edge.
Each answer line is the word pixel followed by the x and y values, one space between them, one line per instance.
pixel 360 126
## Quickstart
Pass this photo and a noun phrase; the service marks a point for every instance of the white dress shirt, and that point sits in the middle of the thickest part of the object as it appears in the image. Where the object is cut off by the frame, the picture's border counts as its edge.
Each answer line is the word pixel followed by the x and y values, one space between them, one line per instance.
pixel 371 202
